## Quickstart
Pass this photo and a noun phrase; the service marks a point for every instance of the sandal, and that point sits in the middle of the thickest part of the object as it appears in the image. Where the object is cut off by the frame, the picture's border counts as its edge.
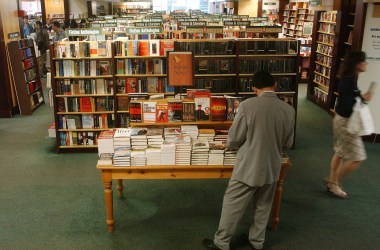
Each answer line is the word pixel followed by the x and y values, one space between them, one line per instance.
pixel 336 190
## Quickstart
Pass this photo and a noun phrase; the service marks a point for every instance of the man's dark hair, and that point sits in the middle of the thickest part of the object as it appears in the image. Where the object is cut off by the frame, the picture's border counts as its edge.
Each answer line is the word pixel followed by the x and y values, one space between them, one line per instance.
pixel 39 23
pixel 262 79
pixel 57 24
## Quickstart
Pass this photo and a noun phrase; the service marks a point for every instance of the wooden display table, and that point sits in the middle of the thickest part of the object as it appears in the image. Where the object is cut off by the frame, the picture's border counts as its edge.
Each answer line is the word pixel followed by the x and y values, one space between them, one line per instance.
pixel 110 173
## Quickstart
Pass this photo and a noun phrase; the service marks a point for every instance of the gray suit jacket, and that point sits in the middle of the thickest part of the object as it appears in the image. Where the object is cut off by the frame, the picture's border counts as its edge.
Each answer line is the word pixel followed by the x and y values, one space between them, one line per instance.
pixel 263 126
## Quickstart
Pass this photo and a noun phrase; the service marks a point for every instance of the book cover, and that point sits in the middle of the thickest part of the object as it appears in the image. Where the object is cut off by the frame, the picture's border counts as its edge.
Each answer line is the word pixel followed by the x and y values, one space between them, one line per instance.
pixel 144 48
pixel 105 68
pixel 166 46
pixel 158 67
pixel 192 93
pixel 87 121
pixel 180 68
pixel 100 86
pixel 202 108
pixel 101 104
pixel 218 108
pixel 162 112
pixel 93 48
pixel 149 112
pixel 152 84
pixel 154 47
pixel 85 104
pixel 135 112
pixel 120 86
pixel 102 48
pixel 132 86
pixel 175 111
pixel 122 103
pixel 188 111
pixel 233 104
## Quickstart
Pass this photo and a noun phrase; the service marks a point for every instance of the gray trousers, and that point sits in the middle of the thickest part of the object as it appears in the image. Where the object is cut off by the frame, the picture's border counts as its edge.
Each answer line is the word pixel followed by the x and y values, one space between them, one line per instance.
pixel 235 202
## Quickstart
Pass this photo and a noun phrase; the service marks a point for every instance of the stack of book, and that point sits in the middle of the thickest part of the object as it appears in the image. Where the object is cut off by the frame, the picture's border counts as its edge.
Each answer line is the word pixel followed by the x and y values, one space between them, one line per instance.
pixel 138 158
pixel 122 147
pixel 230 157
pixel 153 156
pixel 199 153
pixel 155 137
pixel 182 150
pixel 105 142
pixel 190 130
pixel 139 139
pixel 168 153
pixel 221 135
pixel 216 154
pixel 206 134
pixel 172 132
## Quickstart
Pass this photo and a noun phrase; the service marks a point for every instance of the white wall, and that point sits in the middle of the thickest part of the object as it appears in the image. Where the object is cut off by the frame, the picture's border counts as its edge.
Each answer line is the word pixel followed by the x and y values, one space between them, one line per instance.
pixel 373 72
pixel 78 6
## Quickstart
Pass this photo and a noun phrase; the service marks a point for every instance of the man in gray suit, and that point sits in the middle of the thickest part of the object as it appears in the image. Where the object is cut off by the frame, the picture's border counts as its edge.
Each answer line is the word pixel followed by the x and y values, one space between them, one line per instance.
pixel 263 126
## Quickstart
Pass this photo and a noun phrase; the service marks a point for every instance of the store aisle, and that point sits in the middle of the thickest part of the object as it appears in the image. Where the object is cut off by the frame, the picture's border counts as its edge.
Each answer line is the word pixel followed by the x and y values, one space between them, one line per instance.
pixel 55 201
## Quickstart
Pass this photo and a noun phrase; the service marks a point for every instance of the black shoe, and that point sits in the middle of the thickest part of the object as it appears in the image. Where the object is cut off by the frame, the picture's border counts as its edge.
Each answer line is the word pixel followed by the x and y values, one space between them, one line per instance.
pixel 243 240
pixel 209 244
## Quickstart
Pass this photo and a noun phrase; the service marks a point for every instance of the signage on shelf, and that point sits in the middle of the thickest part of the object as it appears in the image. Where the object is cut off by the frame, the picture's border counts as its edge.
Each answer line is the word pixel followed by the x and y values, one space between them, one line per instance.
pixel 105 25
pixel 84 32
pixel 148 24
pixel 315 2
pixel 193 23
pixel 258 19
pixel 373 44
pixel 199 29
pixel 214 29
pixel 237 23
pixel 264 29
pixel 144 30
pixel 180 68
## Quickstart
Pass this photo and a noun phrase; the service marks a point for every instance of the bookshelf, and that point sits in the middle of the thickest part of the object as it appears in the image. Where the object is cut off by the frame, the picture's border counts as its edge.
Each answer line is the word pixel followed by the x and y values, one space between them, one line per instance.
pixel 324 57
pixel 90 99
pixel 83 92
pixel 295 15
pixel 28 83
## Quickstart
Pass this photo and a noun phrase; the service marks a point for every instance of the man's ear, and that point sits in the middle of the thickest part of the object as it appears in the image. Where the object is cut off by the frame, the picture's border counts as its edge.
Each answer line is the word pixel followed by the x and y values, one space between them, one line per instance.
pixel 254 89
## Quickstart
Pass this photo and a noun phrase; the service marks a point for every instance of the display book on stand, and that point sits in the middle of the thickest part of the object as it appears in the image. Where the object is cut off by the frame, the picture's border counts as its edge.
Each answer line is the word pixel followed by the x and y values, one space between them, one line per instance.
pixel 26 75
pixel 324 58
pixel 96 83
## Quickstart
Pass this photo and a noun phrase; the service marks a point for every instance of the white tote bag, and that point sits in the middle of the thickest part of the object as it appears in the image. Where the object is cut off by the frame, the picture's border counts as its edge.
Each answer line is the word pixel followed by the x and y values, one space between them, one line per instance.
pixel 360 122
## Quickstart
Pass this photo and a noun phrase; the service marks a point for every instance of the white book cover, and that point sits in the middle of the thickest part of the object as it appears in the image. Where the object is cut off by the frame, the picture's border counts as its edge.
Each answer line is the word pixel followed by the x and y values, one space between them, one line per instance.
pixel 149 112
pixel 100 86
pixel 154 47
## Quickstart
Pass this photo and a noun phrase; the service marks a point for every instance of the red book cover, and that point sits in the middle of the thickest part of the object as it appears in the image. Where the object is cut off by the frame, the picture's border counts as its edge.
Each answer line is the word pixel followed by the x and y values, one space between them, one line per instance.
pixel 144 48
pixel 132 86
pixel 175 111
pixel 192 93
pixel 218 108
pixel 85 104
pixel 166 46
pixel 162 112
pixel 135 113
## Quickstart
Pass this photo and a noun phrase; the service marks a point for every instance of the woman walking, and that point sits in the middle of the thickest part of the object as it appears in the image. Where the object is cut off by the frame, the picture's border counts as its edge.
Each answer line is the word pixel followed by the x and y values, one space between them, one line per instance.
pixel 349 148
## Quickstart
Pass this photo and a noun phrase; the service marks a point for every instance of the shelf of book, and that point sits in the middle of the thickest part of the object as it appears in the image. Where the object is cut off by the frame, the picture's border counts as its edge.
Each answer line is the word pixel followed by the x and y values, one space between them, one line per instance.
pixel 140 75
pixel 83 129
pixel 83 77
pixel 84 95
pixel 85 113
pixel 26 75
pixel 139 57
pixel 172 124
pixel 79 146
pixel 214 75
pixel 82 58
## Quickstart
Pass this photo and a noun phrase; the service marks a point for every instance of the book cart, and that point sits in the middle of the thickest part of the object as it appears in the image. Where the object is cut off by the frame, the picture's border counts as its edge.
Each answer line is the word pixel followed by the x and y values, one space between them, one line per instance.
pixel 26 75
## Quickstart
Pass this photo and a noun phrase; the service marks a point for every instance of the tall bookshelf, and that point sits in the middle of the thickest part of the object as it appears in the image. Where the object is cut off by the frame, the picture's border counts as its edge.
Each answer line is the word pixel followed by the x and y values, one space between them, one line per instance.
pixel 324 57
pixel 26 75
pixel 295 16
pixel 224 66
pixel 83 92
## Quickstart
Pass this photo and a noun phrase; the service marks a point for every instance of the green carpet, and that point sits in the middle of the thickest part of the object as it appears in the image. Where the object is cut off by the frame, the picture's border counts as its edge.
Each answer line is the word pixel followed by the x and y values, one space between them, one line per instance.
pixel 55 201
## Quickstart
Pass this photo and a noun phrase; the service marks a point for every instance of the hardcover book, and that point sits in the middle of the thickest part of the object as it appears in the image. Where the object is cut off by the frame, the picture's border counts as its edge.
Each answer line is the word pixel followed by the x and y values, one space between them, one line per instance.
pixel 233 104
pixel 162 112
pixel 132 86
pixel 105 68
pixel 135 112
pixel 85 104
pixel 188 111
pixel 174 111
pixel 218 108
pixel 149 112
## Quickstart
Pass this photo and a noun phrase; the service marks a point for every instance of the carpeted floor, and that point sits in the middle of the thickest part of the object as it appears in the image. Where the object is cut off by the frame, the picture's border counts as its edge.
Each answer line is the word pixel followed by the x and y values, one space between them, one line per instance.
pixel 55 201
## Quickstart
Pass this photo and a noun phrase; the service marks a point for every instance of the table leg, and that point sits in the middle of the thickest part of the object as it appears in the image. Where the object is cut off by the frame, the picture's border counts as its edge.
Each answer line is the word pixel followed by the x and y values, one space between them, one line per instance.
pixel 277 199
pixel 120 188
pixel 107 181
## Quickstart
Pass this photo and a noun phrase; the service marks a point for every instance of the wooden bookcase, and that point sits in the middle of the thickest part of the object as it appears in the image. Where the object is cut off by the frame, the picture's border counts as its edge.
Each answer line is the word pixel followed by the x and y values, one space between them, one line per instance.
pixel 295 15
pixel 324 57
pixel 225 66
pixel 26 75
pixel 83 94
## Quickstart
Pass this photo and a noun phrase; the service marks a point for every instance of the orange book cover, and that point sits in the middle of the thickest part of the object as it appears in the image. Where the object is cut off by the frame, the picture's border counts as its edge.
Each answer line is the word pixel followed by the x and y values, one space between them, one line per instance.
pixel 218 108
pixel 162 112
pixel 180 68
pixel 85 104
pixel 144 48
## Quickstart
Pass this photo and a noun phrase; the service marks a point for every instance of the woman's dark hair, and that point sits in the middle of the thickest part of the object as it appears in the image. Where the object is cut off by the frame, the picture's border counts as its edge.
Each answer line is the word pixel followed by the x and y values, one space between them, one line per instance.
pixel 73 23
pixel 262 79
pixel 66 24
pixel 351 61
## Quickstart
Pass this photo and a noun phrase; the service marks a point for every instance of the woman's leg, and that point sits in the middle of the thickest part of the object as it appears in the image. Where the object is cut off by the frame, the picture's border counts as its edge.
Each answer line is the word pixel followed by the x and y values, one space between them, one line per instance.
pixel 348 167
pixel 335 169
